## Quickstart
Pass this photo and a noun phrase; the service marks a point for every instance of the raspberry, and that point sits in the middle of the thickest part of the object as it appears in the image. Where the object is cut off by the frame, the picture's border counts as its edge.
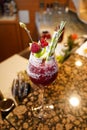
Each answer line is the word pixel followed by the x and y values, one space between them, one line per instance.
pixel 35 47
pixel 47 36
pixel 43 42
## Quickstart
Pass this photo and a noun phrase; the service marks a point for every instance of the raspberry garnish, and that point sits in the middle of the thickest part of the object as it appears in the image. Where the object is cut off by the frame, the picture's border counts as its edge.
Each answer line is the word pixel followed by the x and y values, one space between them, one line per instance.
pixel 43 42
pixel 46 36
pixel 35 47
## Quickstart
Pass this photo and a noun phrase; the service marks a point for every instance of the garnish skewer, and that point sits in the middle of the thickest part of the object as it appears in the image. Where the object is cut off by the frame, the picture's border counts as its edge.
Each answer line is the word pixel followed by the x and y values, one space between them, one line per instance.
pixel 25 28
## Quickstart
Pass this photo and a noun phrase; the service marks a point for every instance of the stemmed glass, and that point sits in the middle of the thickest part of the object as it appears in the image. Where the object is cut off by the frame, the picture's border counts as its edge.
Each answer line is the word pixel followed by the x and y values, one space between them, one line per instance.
pixel 43 68
pixel 42 72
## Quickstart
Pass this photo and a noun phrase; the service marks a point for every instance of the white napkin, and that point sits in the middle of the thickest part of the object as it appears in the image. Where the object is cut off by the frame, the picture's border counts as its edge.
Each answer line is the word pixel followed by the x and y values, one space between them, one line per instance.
pixel 8 71
pixel 81 49
pixel 59 48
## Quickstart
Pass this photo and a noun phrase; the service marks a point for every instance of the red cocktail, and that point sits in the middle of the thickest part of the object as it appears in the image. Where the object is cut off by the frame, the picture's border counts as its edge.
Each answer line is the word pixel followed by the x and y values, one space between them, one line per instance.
pixel 42 71
pixel 42 68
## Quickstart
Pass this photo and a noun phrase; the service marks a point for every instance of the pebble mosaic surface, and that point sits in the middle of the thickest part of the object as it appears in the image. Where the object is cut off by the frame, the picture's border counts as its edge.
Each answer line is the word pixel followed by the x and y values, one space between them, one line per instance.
pixel 61 114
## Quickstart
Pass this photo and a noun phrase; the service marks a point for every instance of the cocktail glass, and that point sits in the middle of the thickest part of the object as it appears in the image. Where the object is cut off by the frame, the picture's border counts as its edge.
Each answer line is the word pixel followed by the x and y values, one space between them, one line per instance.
pixel 42 72
pixel 43 68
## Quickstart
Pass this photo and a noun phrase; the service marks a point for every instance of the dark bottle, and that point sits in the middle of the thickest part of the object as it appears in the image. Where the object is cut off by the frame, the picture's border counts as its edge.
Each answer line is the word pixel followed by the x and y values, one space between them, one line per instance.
pixel 20 89
pixel 62 35
pixel 14 6
pixel 6 7
pixel 1 7
pixel 41 5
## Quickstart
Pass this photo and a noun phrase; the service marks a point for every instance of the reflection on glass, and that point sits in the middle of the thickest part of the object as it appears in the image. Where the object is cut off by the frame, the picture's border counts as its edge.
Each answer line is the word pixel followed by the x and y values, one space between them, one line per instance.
pixel 50 106
pixel 78 63
pixel 74 100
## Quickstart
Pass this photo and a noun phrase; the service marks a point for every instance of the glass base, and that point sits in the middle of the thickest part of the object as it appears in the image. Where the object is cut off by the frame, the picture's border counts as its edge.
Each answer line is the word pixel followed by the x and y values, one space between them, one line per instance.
pixel 42 107
pixel 42 112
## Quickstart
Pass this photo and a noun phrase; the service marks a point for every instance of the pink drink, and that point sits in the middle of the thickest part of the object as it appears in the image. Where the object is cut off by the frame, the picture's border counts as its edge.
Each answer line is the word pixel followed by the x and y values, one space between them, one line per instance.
pixel 41 71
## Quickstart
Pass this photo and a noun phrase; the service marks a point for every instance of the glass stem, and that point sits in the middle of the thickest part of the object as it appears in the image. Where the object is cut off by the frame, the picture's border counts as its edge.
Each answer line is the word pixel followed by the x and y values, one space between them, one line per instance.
pixel 41 102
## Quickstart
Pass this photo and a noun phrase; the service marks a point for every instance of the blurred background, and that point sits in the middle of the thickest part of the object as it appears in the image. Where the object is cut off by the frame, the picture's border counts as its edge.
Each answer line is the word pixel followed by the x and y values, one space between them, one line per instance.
pixel 14 39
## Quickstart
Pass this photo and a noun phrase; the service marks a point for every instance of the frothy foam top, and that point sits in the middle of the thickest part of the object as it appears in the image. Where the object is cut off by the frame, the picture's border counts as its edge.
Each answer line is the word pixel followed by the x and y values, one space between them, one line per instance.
pixel 37 63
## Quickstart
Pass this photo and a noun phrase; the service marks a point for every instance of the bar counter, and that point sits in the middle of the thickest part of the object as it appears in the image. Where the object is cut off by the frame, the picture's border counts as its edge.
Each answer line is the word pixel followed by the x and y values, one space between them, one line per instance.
pixel 64 113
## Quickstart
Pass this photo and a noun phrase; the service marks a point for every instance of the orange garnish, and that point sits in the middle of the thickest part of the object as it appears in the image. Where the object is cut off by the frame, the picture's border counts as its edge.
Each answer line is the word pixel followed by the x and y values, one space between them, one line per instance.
pixel 74 36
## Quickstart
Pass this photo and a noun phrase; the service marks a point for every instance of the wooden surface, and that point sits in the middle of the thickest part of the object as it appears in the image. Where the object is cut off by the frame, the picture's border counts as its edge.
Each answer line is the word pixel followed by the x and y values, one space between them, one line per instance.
pixel 10 39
